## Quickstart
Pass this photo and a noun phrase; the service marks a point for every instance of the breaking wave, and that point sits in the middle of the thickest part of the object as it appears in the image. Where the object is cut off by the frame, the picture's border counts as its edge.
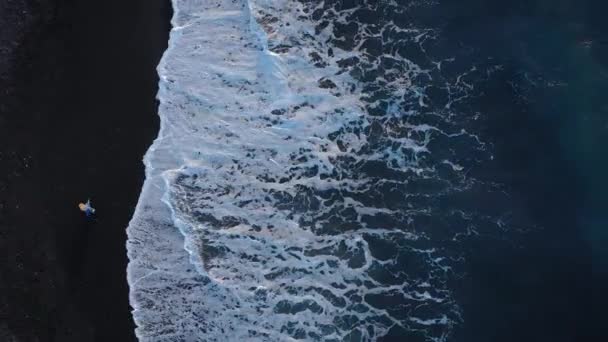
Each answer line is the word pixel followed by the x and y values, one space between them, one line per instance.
pixel 308 179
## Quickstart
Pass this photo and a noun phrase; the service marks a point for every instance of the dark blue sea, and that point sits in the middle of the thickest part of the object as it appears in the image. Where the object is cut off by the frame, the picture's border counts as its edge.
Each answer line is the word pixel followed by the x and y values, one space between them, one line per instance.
pixel 376 171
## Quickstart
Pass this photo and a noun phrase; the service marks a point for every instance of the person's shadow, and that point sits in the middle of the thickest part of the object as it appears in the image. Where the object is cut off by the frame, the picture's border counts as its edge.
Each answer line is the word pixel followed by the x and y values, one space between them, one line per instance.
pixel 78 245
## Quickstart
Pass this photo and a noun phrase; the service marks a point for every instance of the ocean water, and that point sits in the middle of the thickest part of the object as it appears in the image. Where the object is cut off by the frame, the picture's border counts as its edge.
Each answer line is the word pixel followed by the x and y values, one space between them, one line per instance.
pixel 322 171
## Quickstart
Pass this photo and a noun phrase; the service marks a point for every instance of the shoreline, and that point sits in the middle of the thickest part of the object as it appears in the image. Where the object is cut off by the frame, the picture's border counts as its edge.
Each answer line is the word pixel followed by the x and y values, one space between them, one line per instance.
pixel 85 114
pixel 83 117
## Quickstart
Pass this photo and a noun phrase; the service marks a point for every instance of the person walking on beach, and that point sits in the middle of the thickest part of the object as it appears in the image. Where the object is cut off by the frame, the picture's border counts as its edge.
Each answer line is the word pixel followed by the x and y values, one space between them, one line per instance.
pixel 86 208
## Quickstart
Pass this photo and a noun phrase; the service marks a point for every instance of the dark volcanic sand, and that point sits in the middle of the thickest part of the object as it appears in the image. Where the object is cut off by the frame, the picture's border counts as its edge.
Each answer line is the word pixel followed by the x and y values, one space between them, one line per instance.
pixel 78 119
pixel 77 113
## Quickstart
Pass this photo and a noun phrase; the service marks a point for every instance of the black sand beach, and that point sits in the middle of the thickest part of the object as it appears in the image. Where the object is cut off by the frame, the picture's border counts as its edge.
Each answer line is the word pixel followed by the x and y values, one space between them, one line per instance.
pixel 77 113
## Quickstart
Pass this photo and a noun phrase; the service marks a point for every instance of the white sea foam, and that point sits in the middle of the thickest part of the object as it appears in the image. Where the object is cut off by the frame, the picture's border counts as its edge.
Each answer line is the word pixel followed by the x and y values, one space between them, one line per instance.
pixel 254 222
